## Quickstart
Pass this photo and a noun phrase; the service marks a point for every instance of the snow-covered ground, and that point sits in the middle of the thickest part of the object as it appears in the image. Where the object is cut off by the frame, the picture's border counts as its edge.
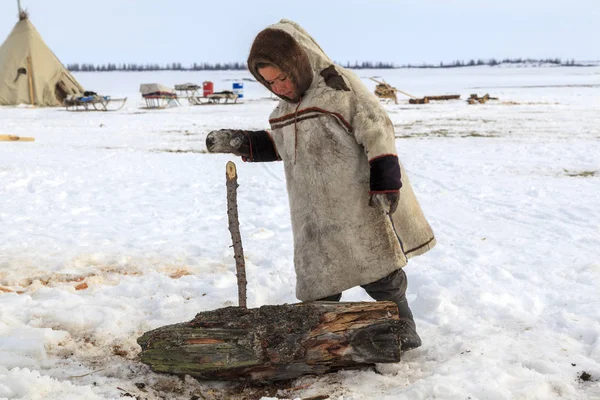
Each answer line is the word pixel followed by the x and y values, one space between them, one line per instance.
pixel 128 208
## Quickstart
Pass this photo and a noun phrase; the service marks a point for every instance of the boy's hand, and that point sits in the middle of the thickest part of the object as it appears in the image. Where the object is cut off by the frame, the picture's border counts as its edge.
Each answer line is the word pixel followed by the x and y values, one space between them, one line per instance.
pixel 228 141
pixel 387 201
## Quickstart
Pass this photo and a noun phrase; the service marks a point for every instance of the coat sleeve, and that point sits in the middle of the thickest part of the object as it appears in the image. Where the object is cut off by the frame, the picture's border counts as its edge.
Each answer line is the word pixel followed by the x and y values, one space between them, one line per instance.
pixel 262 147
pixel 374 130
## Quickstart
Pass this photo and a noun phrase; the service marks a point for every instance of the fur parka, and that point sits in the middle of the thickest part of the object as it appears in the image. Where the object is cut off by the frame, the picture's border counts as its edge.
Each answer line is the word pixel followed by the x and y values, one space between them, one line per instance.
pixel 328 137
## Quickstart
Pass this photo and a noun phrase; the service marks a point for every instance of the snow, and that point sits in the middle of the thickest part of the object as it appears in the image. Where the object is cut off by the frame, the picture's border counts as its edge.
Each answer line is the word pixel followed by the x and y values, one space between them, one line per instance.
pixel 129 204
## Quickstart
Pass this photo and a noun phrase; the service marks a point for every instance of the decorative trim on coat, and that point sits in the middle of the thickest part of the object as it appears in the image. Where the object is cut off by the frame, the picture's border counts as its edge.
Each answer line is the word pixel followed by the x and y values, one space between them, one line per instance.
pixel 385 174
pixel 333 79
pixel 262 147
pixel 308 113
pixel 427 244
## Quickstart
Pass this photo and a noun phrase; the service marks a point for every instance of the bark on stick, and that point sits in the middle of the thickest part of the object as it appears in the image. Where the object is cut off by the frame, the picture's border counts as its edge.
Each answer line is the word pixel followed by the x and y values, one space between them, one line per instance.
pixel 234 229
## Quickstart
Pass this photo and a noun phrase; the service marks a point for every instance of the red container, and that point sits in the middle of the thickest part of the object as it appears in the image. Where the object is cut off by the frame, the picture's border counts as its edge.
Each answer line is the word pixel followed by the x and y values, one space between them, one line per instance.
pixel 207 88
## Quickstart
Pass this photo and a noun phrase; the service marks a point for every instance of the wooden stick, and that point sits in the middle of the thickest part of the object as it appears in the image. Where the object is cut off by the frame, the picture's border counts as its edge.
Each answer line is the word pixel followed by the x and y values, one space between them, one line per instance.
pixel 234 228
pixel 12 138
pixel 407 94
pixel 30 77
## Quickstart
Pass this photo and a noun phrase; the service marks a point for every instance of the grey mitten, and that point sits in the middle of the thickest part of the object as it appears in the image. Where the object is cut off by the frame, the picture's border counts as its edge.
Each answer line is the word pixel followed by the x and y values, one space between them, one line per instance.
pixel 387 201
pixel 228 141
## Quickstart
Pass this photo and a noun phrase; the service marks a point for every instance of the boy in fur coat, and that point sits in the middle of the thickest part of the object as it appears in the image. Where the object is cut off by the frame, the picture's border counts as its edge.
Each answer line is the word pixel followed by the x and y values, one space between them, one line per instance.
pixel 355 218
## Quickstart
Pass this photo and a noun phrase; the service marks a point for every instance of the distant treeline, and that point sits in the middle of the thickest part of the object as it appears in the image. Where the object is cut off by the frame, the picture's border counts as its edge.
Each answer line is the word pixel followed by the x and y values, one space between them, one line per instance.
pixel 176 66
pixel 238 66
pixel 232 66
pixel 492 62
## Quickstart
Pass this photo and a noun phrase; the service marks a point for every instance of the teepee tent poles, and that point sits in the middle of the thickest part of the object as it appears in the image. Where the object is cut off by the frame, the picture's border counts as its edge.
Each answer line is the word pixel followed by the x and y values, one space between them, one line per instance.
pixel 30 78
pixel 22 13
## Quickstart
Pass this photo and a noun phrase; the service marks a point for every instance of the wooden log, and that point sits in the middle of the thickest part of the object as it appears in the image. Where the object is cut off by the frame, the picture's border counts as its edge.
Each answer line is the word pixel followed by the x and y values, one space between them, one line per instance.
pixel 13 138
pixel 276 342
pixel 444 97
pixel 424 100
pixel 234 229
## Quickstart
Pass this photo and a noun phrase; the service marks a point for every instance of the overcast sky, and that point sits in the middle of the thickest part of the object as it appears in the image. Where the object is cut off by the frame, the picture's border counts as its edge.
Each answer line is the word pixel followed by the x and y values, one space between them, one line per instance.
pixel 411 31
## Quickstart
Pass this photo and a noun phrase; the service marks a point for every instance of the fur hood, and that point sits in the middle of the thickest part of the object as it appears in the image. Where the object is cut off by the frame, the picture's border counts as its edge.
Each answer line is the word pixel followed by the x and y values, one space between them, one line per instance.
pixel 289 47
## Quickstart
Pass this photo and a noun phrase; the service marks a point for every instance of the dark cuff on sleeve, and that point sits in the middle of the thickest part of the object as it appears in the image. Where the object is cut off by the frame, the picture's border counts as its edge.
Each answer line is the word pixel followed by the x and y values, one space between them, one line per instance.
pixel 262 147
pixel 385 174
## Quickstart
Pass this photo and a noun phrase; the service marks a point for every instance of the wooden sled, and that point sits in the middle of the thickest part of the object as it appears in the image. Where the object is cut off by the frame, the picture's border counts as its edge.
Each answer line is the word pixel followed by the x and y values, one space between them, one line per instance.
pixel 192 93
pixel 384 90
pixel 188 91
pixel 158 96
pixel 94 103
pixel 224 97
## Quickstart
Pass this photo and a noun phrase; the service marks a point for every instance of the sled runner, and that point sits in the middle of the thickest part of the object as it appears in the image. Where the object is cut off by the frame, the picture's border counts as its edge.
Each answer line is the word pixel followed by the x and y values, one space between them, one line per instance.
pixel 226 96
pixel 197 95
pixel 91 101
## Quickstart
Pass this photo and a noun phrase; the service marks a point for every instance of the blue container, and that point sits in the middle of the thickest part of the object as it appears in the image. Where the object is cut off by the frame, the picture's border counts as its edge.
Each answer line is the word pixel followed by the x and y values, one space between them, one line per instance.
pixel 238 88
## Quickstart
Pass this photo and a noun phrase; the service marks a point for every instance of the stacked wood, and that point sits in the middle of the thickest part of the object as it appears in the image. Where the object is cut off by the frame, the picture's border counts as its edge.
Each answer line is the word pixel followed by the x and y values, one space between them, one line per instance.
pixel 276 342
pixel 474 98
pixel 386 91
pixel 424 100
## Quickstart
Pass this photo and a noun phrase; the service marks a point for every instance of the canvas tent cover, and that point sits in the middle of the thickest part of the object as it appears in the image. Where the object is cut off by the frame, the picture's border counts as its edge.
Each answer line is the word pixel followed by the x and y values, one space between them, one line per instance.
pixel 155 88
pixel 52 82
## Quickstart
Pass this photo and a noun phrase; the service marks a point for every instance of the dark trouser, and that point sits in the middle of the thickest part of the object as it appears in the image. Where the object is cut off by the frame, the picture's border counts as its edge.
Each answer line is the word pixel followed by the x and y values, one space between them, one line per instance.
pixel 393 288
pixel 388 288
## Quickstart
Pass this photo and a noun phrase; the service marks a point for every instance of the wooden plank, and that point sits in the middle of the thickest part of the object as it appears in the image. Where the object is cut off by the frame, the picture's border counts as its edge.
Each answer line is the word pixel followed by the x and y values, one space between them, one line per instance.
pixel 13 138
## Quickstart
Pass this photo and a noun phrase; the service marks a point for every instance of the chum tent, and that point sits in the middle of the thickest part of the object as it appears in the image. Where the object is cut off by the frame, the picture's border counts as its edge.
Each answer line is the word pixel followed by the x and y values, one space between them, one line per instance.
pixel 30 73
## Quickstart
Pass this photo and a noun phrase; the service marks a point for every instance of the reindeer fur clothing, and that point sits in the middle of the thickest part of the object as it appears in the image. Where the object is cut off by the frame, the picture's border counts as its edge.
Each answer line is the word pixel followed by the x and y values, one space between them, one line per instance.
pixel 329 137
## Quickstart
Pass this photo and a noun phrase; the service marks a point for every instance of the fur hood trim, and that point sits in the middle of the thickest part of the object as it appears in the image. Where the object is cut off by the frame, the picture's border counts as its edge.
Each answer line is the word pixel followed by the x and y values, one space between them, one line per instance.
pixel 290 48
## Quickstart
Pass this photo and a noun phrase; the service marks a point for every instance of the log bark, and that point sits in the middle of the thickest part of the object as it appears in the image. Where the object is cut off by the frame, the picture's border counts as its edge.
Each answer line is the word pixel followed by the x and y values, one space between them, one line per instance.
pixel 424 100
pixel 444 97
pixel 277 342
pixel 234 229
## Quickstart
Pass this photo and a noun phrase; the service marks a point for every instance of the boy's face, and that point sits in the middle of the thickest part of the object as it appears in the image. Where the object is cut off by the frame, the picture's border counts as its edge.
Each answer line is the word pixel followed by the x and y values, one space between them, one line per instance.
pixel 279 82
